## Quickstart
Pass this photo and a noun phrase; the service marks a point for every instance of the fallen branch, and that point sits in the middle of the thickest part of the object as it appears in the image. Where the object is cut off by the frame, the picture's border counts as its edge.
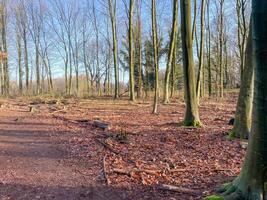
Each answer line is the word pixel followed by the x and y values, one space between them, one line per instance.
pixel 128 172
pixel 192 169
pixel 105 170
pixel 107 146
pixel 64 119
pixel 135 170
pixel 177 189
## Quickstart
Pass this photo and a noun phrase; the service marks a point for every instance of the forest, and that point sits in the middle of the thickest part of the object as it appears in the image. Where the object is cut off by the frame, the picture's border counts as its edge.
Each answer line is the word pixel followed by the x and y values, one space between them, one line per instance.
pixel 133 99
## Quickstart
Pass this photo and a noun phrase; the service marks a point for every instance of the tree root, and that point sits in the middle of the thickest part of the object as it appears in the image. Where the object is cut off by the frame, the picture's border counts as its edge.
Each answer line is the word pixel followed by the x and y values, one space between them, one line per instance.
pixel 228 192
pixel 193 123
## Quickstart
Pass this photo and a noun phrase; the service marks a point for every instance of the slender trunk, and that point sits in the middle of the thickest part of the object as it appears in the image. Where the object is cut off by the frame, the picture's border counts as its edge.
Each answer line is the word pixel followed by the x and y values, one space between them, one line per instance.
pixel 139 26
pixel 171 51
pixel 20 64
pixel 173 74
pixel 209 49
pixel 201 51
pixel 221 71
pixel 131 52
pixel 112 11
pixel 155 52
pixel 26 63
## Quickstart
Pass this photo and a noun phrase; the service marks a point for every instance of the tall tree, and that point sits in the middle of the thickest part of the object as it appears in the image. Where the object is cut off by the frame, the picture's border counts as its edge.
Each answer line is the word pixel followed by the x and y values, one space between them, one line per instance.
pixel 243 113
pixel 251 183
pixel 191 113
pixel 242 32
pixel 221 37
pixel 201 51
pixel 5 71
pixel 155 51
pixel 171 52
pixel 208 45
pixel 131 51
pixel 113 18
pixel 139 48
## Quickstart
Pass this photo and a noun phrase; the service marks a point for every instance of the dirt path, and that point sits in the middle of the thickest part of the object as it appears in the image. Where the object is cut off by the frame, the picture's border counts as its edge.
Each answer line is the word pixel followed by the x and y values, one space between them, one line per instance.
pixel 33 164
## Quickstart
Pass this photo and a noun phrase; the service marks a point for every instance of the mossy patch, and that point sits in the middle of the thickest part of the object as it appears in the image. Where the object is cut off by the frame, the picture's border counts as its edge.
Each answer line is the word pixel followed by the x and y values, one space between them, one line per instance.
pixel 194 123
pixel 231 135
pixel 214 197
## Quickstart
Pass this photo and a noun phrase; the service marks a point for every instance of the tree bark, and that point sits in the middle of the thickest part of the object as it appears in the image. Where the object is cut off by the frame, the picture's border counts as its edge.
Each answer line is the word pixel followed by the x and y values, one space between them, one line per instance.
pixel 155 50
pixel 131 51
pixel 171 51
pixel 252 181
pixel 112 12
pixel 192 113
pixel 201 51
pixel 243 113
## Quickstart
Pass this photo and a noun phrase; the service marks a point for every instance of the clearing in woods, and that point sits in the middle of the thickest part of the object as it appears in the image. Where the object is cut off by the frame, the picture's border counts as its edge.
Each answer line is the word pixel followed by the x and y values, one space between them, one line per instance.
pixel 56 151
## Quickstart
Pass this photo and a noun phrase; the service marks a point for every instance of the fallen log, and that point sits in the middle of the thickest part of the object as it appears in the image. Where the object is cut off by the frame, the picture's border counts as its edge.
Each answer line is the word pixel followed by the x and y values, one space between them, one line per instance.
pixel 177 189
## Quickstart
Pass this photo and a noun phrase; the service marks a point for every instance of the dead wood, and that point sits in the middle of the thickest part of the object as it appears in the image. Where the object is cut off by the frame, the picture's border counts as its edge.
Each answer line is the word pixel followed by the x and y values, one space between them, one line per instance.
pixel 177 189
pixel 136 170
pixel 106 145
pixel 102 125
pixel 105 170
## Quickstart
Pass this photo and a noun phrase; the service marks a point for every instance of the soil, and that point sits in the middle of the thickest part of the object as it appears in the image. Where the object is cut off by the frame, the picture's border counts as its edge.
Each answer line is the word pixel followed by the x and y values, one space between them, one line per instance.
pixel 56 152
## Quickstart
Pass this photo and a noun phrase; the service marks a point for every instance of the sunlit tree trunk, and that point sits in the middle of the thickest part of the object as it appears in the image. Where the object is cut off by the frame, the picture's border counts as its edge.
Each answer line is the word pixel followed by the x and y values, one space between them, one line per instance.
pixel 208 45
pixel 201 50
pixel 131 51
pixel 241 32
pixel 155 50
pixel 171 51
pixel 252 181
pixel 112 12
pixel 221 33
pixel 139 34
pixel 191 113
pixel 243 113
pixel 5 49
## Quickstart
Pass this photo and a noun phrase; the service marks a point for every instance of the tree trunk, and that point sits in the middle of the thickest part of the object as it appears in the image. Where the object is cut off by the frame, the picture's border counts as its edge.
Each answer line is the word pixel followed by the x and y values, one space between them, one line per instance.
pixel 19 63
pixel 173 73
pixel 252 181
pixel 209 48
pixel 26 63
pixel 112 12
pixel 155 50
pixel 243 113
pixel 191 114
pixel 131 52
pixel 171 51
pixel 139 33
pixel 221 32
pixel 201 51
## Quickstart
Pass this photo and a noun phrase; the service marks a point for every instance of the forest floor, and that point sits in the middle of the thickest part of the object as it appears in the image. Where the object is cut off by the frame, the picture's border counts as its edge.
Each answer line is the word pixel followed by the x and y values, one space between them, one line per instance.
pixel 56 152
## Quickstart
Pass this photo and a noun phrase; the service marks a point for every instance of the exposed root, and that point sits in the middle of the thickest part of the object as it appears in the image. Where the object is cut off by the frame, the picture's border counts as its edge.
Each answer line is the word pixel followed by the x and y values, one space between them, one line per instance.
pixel 229 192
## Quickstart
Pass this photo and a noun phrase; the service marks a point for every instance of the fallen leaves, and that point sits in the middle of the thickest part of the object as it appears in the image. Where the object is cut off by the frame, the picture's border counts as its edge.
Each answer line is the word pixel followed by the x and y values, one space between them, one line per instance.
pixel 161 151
